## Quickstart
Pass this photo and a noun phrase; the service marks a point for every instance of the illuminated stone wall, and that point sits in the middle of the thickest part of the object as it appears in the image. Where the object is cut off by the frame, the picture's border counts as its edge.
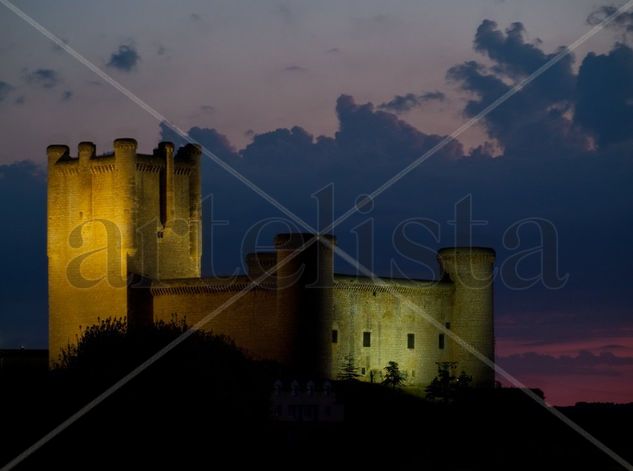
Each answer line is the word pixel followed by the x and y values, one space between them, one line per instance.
pixel 250 319
pixel 316 331
pixel 361 309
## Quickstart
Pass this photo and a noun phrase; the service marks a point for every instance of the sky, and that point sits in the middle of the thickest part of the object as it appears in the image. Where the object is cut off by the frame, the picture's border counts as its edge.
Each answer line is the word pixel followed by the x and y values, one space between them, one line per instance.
pixel 298 95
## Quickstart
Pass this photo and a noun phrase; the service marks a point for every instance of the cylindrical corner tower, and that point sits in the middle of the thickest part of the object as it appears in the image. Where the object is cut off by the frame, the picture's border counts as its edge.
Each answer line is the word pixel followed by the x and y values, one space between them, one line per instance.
pixel 304 301
pixel 471 270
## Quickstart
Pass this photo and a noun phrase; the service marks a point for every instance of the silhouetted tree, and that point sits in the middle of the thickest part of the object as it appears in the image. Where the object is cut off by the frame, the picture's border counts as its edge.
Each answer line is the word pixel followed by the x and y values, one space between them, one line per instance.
pixel 206 365
pixel 393 376
pixel 348 371
pixel 202 382
pixel 446 386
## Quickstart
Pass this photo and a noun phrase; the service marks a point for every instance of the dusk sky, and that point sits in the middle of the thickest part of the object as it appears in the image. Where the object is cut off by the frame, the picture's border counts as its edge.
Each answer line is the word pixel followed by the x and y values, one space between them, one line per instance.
pixel 299 94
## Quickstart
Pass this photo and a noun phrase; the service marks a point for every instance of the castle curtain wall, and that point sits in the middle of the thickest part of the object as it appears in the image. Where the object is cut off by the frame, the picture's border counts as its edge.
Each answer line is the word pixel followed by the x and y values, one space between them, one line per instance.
pixel 362 308
pixel 250 320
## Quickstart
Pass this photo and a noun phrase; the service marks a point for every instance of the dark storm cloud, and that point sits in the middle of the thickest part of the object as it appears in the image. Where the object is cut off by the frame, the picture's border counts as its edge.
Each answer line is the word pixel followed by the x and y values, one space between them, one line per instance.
pixel 547 169
pixel 535 122
pixel 509 50
pixel 5 89
pixel 209 138
pixel 45 78
pixel 604 103
pixel 214 141
pixel 516 59
pixel 585 363
pixel 364 131
pixel 560 113
pixel 23 300
pixel 125 58
pixel 404 103
pixel 623 22
pixel 282 144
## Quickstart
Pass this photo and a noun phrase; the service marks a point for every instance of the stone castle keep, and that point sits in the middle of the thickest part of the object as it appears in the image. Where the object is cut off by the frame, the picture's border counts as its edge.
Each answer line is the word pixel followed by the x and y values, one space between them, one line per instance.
pixel 124 240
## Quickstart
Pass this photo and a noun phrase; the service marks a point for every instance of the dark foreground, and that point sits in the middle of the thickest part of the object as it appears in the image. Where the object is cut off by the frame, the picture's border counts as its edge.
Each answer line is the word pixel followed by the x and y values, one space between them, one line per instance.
pixel 206 408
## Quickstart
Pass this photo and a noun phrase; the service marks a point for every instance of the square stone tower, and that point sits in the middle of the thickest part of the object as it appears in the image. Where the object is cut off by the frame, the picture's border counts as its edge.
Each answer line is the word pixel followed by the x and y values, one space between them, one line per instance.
pixel 111 216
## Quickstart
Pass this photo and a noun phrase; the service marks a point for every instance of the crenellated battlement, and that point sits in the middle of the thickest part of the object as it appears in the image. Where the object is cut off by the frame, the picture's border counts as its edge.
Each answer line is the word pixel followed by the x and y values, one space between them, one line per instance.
pixel 184 160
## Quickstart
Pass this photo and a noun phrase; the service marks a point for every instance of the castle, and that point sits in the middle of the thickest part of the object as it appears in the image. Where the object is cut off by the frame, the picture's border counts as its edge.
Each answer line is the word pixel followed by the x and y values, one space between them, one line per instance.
pixel 124 240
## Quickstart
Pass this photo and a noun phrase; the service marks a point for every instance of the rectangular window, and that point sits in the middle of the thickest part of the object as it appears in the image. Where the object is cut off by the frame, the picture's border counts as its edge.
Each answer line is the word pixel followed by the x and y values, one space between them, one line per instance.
pixel 366 339
pixel 447 325
pixel 441 341
pixel 362 371
pixel 411 341
pixel 335 336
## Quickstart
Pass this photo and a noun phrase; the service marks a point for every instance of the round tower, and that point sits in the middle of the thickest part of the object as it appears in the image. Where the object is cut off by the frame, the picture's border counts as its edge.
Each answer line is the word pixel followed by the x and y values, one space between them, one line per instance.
pixel 304 301
pixel 471 269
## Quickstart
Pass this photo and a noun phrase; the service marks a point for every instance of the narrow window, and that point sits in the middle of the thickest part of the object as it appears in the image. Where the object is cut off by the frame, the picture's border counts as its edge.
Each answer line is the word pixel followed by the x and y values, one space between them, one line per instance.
pixel 441 341
pixel 411 341
pixel 362 371
pixel 335 336
pixel 447 325
pixel 366 339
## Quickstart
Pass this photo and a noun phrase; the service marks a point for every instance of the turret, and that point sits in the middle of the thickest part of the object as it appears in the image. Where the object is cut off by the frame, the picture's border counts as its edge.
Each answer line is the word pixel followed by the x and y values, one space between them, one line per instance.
pixel 471 270
pixel 304 300
pixel 260 263
pixel 125 164
pixel 86 151
pixel 55 152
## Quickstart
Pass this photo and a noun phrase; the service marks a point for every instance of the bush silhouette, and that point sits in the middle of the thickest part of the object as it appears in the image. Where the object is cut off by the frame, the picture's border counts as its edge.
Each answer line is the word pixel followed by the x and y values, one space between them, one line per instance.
pixel 202 366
